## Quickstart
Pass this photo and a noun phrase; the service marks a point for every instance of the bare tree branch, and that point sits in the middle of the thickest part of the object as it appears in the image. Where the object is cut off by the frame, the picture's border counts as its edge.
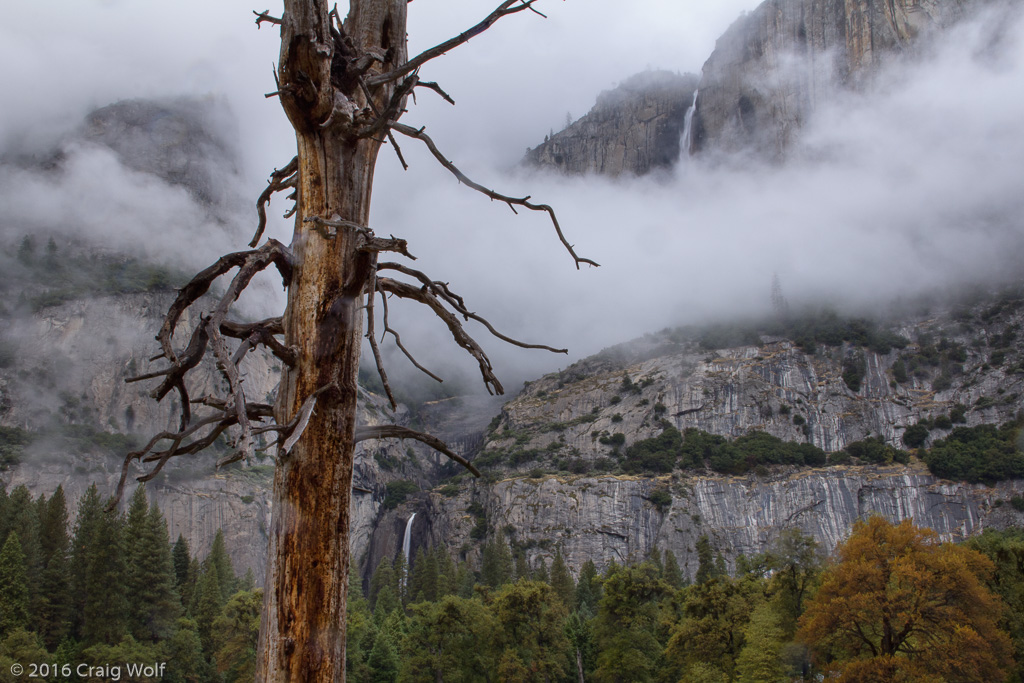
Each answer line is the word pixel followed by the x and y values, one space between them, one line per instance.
pixel 265 16
pixel 418 134
pixel 504 9
pixel 372 336
pixel 279 180
pixel 398 340
pixel 441 290
pixel 427 297
pixel 430 85
pixel 397 432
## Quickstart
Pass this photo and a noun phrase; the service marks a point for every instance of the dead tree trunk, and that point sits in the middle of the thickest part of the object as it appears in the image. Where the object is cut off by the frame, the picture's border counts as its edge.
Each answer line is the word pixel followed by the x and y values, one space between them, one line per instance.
pixel 343 87
pixel 303 632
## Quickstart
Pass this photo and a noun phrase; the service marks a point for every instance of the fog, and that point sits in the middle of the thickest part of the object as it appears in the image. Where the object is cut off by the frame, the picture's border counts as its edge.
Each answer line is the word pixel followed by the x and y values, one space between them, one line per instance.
pixel 911 186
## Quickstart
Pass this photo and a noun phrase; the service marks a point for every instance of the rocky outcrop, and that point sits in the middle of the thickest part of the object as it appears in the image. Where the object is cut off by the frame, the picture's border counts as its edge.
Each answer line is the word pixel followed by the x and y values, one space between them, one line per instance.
pixel 633 130
pixel 774 66
pixel 610 518
pixel 561 423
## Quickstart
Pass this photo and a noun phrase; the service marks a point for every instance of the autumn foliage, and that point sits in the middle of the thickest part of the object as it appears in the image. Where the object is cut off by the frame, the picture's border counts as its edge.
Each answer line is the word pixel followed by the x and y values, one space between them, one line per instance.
pixel 900 606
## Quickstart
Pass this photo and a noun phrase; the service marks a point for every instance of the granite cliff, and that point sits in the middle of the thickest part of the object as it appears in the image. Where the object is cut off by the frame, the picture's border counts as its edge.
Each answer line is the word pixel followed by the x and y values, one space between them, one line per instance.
pixel 635 128
pixel 765 78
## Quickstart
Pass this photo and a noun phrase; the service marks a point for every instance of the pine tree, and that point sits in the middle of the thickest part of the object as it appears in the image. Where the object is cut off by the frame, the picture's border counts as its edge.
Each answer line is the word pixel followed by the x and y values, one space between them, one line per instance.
pixel 185 650
pixel 561 580
pixel 383 660
pixel 154 604
pixel 25 521
pixel 86 522
pixel 5 514
pixel 383 575
pixel 207 603
pixel 181 556
pixel 105 614
pixel 14 595
pixel 496 564
pixel 706 569
pixel 236 632
pixel 541 574
pixel 446 573
pixel 54 606
pixel 221 562
pixel 672 574
pixel 588 588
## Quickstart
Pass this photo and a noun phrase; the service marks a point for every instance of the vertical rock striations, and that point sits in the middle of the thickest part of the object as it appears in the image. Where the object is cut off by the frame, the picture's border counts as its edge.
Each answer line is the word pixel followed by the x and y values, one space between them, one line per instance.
pixel 775 65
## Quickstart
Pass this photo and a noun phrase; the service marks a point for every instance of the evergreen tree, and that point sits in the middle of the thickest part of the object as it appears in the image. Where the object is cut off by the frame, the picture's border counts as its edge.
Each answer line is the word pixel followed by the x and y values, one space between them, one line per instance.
pixel 25 521
pixel 221 563
pixel 706 566
pixel 625 627
pixel 541 574
pixel 206 606
pixel 464 580
pixel 383 660
pixel 185 650
pixel 496 564
pixel 87 521
pixel 760 660
pixel 181 556
pixel 154 604
pixel 671 573
pixel 446 573
pixel 561 580
pixel 105 614
pixel 531 636
pixel 236 632
pixel 53 618
pixel 5 514
pixel 383 575
pixel 14 595
pixel 521 569
pixel 449 640
pixel 360 631
pixel 580 633
pixel 588 588
pixel 423 583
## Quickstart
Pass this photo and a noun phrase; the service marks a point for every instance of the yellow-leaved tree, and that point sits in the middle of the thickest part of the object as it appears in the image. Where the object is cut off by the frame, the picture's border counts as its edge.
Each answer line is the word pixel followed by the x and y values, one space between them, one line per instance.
pixel 897 605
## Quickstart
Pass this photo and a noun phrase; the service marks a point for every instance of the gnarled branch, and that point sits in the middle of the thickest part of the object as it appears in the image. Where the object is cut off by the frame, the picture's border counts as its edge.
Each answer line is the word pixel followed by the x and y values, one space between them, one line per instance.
pixel 513 202
pixel 504 9
pixel 441 290
pixel 397 432
pixel 279 180
pixel 427 297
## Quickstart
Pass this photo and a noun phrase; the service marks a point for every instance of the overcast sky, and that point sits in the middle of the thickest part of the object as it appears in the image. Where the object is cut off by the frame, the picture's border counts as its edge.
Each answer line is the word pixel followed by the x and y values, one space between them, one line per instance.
pixel 915 185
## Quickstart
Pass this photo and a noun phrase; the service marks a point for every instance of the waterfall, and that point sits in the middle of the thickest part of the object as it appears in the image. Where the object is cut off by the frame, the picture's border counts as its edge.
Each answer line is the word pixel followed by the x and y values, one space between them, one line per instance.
pixel 688 128
pixel 405 546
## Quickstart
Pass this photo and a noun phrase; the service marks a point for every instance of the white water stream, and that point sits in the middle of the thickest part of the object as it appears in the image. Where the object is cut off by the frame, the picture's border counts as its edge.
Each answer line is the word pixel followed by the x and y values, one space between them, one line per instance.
pixel 688 128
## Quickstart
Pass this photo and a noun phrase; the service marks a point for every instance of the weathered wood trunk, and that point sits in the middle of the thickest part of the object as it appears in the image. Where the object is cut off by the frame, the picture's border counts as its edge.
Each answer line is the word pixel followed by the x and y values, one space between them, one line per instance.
pixel 302 636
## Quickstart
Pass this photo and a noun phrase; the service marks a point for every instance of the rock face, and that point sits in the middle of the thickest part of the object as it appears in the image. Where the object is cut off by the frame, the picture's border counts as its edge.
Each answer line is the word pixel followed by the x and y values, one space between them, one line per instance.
pixel 612 518
pixel 768 73
pixel 775 65
pixel 634 129
pixel 560 424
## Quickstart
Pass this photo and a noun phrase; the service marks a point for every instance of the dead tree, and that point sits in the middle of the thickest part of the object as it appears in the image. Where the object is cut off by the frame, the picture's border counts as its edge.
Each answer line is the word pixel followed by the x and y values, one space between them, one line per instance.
pixel 343 86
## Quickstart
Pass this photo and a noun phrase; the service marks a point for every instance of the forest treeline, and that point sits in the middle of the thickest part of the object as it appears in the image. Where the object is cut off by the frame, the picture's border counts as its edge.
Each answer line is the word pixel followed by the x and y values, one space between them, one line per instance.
pixel 893 604
pixel 111 589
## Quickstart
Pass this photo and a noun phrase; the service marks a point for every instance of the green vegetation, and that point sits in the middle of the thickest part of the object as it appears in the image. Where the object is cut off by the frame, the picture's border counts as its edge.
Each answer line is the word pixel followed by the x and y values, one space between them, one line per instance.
pixel 110 590
pixel 695 449
pixel 808 331
pixel 397 492
pixel 510 618
pixel 983 454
